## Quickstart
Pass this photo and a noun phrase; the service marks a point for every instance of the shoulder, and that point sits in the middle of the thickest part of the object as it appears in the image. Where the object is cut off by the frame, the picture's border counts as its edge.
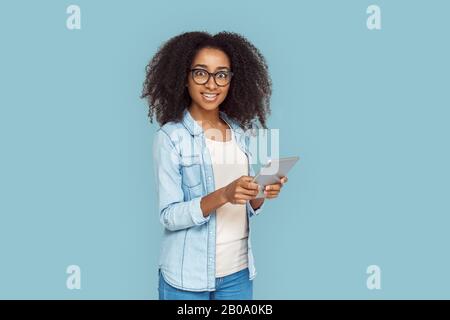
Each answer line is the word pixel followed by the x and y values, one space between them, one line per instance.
pixel 174 131
pixel 172 135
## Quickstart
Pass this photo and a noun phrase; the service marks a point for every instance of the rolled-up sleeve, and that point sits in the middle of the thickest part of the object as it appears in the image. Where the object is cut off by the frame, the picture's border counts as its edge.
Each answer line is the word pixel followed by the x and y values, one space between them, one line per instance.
pixel 254 212
pixel 174 212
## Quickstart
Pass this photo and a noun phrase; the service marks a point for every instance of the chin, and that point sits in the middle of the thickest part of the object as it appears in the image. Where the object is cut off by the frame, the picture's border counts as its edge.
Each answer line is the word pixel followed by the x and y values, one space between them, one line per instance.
pixel 209 106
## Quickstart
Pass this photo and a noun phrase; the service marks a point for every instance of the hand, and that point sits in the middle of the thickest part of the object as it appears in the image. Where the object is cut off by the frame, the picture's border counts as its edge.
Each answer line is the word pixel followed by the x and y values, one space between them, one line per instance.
pixel 240 190
pixel 272 190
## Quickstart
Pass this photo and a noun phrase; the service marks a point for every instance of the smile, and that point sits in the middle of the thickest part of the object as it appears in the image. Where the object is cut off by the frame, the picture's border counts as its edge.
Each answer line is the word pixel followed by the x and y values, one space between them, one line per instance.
pixel 210 96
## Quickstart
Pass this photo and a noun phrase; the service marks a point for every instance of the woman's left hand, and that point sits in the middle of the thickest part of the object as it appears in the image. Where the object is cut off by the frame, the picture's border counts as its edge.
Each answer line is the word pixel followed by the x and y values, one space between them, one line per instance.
pixel 272 190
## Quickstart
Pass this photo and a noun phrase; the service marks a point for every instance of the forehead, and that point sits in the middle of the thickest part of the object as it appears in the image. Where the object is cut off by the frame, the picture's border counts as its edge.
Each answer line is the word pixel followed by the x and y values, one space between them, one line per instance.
pixel 212 58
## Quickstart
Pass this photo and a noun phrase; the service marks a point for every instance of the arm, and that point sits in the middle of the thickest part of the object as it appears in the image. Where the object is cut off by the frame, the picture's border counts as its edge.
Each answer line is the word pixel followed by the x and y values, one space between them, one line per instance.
pixel 213 201
pixel 174 212
pixel 177 214
pixel 240 191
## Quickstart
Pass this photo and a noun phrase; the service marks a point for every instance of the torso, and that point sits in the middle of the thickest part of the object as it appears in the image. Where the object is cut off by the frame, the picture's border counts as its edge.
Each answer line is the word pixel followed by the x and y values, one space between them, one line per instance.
pixel 229 163
pixel 211 132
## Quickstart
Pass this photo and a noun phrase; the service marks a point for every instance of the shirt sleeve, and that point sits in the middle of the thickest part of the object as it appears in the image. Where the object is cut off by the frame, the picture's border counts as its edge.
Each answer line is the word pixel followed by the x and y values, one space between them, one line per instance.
pixel 174 212
pixel 253 212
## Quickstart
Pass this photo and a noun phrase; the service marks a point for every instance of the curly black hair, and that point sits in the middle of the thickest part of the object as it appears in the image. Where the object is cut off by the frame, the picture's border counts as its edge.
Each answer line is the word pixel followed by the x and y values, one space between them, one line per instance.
pixel 249 94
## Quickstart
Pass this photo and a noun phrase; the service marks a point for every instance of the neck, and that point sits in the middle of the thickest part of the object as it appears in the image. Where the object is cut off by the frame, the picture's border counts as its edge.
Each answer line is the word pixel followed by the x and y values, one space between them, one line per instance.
pixel 200 114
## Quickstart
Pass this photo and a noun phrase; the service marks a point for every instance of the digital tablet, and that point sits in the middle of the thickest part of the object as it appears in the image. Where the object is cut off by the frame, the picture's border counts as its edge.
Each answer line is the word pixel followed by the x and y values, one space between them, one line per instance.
pixel 272 172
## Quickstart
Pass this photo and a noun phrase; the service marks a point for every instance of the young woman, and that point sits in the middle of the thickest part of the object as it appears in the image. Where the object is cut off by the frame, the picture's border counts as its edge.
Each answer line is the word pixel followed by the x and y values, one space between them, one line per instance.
pixel 205 92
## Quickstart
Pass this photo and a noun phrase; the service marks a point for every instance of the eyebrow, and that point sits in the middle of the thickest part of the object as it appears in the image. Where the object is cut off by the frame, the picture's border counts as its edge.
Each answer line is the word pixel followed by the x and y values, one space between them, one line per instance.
pixel 206 67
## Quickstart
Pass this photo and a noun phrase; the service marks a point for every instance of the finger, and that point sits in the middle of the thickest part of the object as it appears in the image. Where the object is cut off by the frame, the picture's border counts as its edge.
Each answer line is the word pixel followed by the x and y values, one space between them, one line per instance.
pixel 271 196
pixel 250 185
pixel 241 196
pixel 243 181
pixel 271 193
pixel 240 201
pixel 284 180
pixel 273 187
pixel 246 178
pixel 247 191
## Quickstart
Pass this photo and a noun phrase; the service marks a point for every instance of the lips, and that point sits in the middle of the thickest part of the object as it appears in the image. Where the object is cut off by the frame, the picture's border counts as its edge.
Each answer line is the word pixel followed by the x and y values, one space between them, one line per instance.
pixel 209 96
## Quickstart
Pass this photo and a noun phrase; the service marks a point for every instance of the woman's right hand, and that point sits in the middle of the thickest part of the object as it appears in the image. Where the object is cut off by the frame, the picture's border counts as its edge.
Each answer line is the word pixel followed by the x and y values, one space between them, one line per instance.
pixel 240 190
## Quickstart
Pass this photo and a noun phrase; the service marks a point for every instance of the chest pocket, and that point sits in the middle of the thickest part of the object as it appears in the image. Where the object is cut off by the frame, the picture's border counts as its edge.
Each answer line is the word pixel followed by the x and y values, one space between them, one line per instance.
pixel 191 171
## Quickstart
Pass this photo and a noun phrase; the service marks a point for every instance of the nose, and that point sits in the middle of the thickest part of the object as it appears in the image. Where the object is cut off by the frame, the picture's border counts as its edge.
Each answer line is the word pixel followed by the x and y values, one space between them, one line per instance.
pixel 211 84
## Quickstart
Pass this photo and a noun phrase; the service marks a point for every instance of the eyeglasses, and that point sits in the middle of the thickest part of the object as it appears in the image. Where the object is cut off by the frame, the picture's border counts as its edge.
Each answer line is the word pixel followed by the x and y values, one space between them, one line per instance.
pixel 221 78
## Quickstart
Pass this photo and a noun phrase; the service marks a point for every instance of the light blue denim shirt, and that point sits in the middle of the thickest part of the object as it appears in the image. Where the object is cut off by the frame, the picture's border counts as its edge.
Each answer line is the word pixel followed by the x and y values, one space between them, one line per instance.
pixel 184 174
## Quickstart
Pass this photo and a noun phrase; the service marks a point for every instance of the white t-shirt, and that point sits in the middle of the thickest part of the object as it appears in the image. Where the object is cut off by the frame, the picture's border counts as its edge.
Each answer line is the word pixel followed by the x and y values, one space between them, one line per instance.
pixel 229 163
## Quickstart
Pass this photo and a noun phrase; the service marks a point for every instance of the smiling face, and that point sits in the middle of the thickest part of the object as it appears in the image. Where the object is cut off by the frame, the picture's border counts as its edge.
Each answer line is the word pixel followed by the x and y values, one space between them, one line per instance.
pixel 208 96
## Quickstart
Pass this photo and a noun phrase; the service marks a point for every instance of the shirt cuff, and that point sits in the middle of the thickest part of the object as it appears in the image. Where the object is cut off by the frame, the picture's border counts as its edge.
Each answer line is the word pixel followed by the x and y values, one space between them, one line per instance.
pixel 253 211
pixel 196 212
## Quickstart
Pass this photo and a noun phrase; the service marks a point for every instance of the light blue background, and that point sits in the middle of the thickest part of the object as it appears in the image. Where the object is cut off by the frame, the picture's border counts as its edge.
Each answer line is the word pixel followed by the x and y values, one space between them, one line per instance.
pixel 366 110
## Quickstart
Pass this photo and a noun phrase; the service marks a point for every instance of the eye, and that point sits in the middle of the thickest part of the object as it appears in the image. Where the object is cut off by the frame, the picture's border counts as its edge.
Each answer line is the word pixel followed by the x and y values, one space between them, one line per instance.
pixel 222 75
pixel 199 73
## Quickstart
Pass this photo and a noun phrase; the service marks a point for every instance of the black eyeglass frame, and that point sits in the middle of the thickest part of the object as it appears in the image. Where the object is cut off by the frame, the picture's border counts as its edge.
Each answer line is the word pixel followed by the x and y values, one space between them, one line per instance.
pixel 230 73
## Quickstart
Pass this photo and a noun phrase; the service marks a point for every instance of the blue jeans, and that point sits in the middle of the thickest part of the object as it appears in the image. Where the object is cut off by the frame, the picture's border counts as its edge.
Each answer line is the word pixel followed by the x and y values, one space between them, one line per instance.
pixel 236 286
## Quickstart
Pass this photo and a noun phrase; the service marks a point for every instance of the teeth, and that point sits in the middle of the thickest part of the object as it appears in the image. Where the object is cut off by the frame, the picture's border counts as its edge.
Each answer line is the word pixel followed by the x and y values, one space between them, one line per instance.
pixel 208 96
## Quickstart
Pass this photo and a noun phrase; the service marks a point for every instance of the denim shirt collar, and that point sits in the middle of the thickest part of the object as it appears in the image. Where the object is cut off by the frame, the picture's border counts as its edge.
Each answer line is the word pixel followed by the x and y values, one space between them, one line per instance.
pixel 195 129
